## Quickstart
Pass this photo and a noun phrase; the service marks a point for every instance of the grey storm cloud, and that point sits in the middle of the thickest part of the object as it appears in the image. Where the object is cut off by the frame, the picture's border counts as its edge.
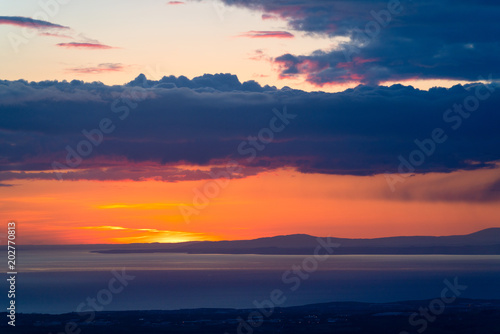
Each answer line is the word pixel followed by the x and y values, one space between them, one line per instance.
pixel 390 39
pixel 208 120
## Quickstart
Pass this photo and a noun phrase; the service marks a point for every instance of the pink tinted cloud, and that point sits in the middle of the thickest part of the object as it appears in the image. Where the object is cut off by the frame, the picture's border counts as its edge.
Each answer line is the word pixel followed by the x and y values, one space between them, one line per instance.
pixel 309 65
pixel 269 17
pixel 267 34
pixel 101 68
pixel 356 62
pixel 304 66
pixel 76 45
pixel 259 55
pixel 288 11
pixel 319 72
pixel 29 23
pixel 175 3
pixel 50 34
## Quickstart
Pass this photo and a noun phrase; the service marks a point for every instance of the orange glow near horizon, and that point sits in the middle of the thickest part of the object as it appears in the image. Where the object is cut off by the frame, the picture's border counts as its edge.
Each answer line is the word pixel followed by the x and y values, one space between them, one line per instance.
pixel 272 203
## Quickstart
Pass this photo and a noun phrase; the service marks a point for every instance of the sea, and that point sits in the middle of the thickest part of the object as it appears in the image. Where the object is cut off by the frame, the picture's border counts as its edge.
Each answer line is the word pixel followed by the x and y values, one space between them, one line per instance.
pixel 60 280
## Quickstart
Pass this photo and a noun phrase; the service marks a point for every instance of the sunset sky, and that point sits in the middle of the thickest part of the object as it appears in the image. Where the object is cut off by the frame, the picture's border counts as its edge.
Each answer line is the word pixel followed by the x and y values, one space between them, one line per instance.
pixel 251 119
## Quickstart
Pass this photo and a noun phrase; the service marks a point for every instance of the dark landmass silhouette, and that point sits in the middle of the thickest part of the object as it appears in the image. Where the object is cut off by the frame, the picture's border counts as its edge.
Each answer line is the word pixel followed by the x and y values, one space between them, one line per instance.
pixel 484 242
pixel 462 316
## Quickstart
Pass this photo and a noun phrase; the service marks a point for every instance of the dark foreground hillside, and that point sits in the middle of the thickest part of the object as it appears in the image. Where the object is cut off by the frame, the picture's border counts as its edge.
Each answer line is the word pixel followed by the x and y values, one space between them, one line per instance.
pixel 462 316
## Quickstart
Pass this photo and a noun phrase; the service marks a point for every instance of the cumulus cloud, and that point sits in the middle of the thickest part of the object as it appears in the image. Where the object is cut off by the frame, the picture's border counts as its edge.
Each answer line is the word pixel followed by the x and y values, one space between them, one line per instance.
pixel 219 82
pixel 428 39
pixel 210 120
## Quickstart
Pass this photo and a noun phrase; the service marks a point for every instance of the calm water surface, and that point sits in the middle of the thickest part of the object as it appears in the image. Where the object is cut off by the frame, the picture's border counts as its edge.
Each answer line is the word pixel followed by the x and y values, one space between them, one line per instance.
pixel 55 281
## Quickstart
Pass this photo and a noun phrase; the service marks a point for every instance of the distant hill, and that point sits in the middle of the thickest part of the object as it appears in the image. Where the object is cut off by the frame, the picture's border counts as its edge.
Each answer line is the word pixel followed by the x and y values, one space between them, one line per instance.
pixel 482 242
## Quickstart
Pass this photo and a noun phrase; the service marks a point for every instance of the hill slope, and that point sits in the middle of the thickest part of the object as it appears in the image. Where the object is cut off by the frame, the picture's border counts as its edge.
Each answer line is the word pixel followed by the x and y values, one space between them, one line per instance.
pixel 482 242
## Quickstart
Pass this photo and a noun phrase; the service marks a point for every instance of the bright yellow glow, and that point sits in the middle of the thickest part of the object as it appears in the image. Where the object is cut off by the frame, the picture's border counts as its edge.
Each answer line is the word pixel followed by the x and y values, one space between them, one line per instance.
pixel 271 203
pixel 145 206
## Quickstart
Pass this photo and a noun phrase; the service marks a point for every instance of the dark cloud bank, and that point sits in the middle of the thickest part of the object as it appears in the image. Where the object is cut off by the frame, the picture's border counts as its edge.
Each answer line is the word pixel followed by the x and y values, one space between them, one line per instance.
pixel 390 39
pixel 148 132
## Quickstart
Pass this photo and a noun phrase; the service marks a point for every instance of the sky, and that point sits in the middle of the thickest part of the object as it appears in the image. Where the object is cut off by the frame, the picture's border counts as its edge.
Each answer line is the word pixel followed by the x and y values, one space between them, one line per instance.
pixel 169 121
